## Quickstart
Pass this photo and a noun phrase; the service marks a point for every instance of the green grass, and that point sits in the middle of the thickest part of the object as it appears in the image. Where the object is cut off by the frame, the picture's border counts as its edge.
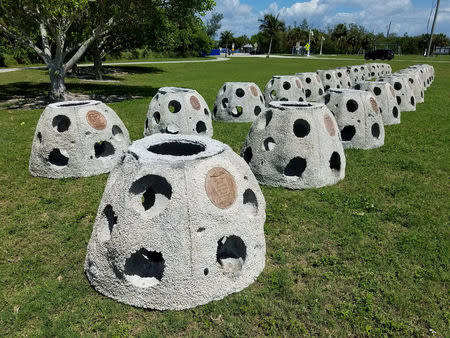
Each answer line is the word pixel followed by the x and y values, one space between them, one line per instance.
pixel 368 256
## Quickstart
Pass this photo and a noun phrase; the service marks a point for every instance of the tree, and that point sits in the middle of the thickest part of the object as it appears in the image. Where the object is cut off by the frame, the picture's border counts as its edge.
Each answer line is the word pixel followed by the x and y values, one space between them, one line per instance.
pixel 339 34
pixel 270 25
pixel 67 28
pixel 213 24
pixel 226 37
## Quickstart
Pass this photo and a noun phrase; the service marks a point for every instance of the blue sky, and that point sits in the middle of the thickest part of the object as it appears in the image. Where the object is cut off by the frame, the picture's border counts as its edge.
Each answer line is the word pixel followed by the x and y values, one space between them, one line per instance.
pixel 407 16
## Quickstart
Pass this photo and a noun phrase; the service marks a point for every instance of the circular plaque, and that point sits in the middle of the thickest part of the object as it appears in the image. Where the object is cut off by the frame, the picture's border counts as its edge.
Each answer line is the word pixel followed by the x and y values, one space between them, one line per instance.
pixel 96 119
pixel 195 103
pixel 298 83
pixel 392 91
pixel 254 90
pixel 220 188
pixel 329 125
pixel 374 105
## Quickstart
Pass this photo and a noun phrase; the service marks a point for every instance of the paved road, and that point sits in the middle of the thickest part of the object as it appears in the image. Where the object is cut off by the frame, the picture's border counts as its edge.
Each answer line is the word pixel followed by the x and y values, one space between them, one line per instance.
pixel 8 70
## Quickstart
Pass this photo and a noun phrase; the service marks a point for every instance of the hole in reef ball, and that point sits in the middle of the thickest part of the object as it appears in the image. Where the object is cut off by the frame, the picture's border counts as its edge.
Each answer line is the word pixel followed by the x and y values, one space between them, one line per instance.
pixel 269 144
pixel 347 133
pixel 295 167
pixel 269 115
pixel 96 119
pixel 103 149
pixel 397 86
pixel 237 111
pixel 144 268
pixel 57 158
pixel 39 136
pixel 307 93
pixel 328 76
pixel 358 87
pixel 254 90
pixel 250 200
pixel 200 127
pixel 335 161
pixel 329 125
pixel 308 80
pixel 399 100
pixel 116 130
pixel 61 123
pixel 195 103
pixel 352 105
pixel 286 85
pixel 174 106
pixel 111 217
pixel 298 83
pixel 224 102
pixel 206 111
pixel 257 110
pixel 326 98
pixel 240 92
pixel 231 253
pixel 206 271
pixel 152 189
pixel 146 123
pixel 412 100
pixel 221 187
pixel 395 112
pixel 248 154
pixel 301 128
pixel 377 91
pixel 273 94
pixel 177 148
pixel 375 130
pixel 320 91
pixel 156 117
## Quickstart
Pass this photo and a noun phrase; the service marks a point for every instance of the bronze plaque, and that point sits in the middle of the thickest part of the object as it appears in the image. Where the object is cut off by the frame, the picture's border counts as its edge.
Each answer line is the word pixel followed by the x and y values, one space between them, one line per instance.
pixel 318 78
pixel 96 119
pixel 195 103
pixel 329 125
pixel 374 105
pixel 220 188
pixel 299 85
pixel 392 91
pixel 254 90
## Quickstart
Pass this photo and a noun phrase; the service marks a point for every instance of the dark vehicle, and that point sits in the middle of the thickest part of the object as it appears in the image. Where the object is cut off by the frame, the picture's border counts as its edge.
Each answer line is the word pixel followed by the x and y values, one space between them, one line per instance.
pixel 383 54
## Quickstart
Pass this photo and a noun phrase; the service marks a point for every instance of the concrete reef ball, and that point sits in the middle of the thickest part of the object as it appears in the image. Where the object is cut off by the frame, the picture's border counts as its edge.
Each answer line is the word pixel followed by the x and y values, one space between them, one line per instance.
pixel 426 71
pixel 415 82
pixel 238 102
pixel 358 117
pixel 176 110
pixel 77 139
pixel 343 75
pixel 180 224
pixel 329 79
pixel 403 91
pixel 284 88
pixel 385 95
pixel 295 145
pixel 312 84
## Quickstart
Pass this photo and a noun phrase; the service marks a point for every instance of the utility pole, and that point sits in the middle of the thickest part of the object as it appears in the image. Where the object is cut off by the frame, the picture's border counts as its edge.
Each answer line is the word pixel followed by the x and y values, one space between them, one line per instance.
pixel 432 27
pixel 321 43
pixel 389 29
pixel 309 41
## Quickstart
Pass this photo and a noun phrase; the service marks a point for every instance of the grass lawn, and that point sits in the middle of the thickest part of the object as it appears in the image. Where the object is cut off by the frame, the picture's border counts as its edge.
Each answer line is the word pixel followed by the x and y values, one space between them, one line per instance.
pixel 368 256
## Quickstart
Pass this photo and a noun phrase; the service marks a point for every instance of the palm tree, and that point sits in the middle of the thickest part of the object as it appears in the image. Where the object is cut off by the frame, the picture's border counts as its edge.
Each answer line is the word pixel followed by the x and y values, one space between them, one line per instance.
pixel 271 26
pixel 226 37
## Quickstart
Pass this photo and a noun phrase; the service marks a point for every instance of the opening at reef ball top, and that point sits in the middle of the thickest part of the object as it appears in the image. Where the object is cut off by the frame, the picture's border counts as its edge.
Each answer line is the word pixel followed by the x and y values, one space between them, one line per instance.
pixel 77 139
pixel 180 224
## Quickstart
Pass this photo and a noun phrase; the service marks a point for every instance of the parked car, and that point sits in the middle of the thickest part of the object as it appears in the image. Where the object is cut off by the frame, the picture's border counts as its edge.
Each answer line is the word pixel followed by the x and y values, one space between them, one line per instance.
pixel 383 54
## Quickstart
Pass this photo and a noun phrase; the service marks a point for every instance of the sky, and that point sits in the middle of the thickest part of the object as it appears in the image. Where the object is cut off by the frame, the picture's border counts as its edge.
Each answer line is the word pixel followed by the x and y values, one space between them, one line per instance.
pixel 407 16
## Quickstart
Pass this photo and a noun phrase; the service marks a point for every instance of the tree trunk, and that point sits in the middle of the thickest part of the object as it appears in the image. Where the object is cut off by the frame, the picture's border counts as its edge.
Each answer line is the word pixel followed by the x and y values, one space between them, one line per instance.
pixel 97 61
pixel 270 46
pixel 57 76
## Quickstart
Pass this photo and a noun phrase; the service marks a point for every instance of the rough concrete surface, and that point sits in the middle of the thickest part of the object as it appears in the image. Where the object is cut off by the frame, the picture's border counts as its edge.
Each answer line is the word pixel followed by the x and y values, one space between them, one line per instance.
pixel 284 88
pixel 385 95
pixel 77 139
pixel 358 117
pixel 343 75
pixel 176 110
pixel 415 82
pixel 313 86
pixel 295 145
pixel 238 102
pixel 180 224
